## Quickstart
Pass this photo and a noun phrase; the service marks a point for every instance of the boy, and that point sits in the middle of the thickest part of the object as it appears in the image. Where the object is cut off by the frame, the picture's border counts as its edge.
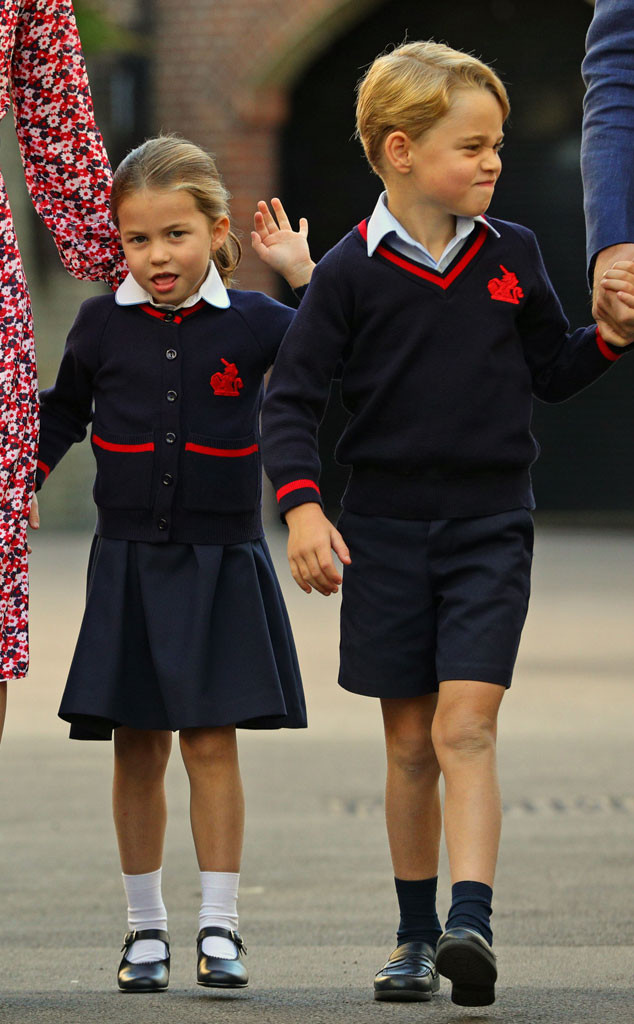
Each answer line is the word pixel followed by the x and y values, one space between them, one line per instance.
pixel 445 323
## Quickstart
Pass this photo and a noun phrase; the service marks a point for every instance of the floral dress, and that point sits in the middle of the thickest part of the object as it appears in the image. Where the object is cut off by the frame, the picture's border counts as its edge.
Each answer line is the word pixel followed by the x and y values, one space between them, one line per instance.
pixel 42 74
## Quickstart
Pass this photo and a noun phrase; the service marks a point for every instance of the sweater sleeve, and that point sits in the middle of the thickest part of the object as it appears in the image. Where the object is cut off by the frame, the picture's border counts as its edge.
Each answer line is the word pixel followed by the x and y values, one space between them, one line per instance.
pixel 561 362
pixel 65 163
pixel 608 126
pixel 66 408
pixel 300 384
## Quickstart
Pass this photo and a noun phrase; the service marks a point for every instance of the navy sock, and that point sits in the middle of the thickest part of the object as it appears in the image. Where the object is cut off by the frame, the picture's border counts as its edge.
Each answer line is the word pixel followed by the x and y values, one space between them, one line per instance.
pixel 417 903
pixel 471 908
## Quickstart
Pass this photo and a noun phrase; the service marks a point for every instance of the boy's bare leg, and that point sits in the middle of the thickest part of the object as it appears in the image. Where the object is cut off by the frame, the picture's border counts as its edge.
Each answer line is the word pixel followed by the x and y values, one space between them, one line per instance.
pixel 3 703
pixel 217 799
pixel 464 734
pixel 412 802
pixel 138 797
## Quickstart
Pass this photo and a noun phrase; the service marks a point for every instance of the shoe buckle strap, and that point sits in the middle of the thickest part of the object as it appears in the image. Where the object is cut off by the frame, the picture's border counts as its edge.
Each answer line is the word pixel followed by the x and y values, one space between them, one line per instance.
pixel 145 933
pixel 237 939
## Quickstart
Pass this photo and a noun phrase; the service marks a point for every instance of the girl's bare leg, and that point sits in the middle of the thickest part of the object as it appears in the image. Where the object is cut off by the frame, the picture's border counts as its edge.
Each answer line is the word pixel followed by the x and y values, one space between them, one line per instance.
pixel 138 797
pixel 217 799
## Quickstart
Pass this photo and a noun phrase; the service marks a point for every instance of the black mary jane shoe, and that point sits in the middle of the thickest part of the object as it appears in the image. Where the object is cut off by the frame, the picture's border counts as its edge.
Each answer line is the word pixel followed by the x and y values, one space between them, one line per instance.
pixel 409 975
pixel 466 958
pixel 150 977
pixel 217 971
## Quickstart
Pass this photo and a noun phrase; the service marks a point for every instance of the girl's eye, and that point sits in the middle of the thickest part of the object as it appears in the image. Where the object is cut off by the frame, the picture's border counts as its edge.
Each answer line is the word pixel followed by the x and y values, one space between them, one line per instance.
pixel 177 234
pixel 138 239
pixel 499 146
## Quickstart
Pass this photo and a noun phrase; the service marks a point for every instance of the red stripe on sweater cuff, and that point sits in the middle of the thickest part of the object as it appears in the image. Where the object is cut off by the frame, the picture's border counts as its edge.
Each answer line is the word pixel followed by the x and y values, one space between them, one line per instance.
pixel 296 485
pixel 45 469
pixel 605 351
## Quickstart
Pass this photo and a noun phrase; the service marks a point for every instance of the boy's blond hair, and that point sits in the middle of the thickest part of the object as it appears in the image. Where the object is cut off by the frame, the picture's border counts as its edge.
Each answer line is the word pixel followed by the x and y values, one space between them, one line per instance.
pixel 410 88
pixel 168 162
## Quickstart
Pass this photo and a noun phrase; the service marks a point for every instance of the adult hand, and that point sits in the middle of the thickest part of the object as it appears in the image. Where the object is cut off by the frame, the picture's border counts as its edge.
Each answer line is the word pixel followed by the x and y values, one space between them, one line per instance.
pixel 614 317
pixel 281 248
pixel 34 518
pixel 311 540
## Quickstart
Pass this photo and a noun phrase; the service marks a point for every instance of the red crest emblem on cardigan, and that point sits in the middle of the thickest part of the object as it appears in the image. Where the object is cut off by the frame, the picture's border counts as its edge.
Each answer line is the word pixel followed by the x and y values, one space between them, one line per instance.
pixel 227 383
pixel 506 288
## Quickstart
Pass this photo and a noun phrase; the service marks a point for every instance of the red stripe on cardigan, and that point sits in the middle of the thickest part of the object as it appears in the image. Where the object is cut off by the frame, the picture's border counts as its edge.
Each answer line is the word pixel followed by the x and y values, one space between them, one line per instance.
pixel 225 453
pixel 110 446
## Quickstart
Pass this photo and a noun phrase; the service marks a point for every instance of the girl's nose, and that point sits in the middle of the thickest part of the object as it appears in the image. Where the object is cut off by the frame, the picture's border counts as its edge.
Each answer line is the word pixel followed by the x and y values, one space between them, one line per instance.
pixel 158 253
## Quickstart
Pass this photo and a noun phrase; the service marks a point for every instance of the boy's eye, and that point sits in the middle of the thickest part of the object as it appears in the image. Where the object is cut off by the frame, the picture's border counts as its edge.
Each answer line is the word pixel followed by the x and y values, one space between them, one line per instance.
pixel 177 234
pixel 498 146
pixel 138 239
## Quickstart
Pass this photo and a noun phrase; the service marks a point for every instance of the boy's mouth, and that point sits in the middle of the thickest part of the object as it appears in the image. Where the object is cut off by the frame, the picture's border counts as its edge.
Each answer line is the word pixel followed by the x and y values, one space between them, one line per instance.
pixel 164 282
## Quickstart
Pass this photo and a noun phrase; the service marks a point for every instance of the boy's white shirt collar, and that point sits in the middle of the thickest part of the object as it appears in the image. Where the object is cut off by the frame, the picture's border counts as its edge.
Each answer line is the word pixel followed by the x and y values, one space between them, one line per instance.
pixel 383 222
pixel 212 290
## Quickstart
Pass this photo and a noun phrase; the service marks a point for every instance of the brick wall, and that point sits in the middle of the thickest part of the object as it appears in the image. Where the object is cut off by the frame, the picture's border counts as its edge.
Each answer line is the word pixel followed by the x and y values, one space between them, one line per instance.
pixel 222 74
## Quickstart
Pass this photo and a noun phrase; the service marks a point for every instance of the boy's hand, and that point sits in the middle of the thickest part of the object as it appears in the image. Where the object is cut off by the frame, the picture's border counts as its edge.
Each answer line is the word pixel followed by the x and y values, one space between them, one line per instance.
pixel 614 302
pixel 311 540
pixel 281 248
pixel 34 518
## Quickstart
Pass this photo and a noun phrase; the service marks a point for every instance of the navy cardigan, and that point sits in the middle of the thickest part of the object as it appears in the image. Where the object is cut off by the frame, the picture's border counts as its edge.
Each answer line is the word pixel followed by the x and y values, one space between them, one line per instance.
pixel 176 399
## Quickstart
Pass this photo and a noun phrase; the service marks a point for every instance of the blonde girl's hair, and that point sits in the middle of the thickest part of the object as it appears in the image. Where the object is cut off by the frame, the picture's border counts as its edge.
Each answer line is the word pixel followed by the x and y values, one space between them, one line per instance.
pixel 410 88
pixel 171 163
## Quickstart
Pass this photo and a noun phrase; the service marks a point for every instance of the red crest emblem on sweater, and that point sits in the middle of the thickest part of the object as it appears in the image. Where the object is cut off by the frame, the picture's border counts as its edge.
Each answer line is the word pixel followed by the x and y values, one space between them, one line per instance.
pixel 506 288
pixel 228 382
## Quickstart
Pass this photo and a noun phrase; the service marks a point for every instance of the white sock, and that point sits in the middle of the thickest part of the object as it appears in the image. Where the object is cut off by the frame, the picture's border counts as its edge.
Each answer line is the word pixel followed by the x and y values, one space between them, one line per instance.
pixel 145 910
pixel 219 909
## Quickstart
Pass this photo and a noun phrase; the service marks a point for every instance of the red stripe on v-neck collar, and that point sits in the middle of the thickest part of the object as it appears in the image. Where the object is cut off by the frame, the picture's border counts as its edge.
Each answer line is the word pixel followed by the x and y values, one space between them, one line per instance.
pixel 417 270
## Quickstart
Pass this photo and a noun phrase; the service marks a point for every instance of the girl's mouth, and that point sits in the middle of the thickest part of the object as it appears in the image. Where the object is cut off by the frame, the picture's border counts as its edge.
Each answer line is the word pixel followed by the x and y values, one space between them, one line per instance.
pixel 164 282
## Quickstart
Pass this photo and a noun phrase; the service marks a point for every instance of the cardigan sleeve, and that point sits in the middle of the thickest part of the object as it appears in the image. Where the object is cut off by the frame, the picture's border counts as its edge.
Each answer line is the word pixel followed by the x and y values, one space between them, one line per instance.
pixel 561 362
pixel 66 408
pixel 300 384
pixel 608 127
pixel 65 163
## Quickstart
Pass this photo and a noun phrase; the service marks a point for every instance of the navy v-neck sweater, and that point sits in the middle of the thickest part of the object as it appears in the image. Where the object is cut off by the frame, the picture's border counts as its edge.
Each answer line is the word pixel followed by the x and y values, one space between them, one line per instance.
pixel 438 373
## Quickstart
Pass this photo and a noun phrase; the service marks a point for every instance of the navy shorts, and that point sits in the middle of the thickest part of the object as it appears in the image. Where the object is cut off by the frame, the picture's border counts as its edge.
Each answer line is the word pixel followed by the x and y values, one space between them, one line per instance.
pixel 425 601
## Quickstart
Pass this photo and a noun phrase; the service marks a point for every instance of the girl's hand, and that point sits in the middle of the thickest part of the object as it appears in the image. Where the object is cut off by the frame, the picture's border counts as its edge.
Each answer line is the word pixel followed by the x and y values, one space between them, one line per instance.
pixel 311 540
pixel 281 248
pixel 614 300
pixel 34 518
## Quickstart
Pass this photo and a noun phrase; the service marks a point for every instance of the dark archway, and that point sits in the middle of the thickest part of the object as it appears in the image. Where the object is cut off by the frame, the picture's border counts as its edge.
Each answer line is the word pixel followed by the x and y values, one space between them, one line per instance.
pixel 537 48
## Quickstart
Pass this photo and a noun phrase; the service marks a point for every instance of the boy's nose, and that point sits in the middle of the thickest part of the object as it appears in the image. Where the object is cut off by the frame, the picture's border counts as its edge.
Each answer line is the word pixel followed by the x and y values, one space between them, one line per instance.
pixel 492 161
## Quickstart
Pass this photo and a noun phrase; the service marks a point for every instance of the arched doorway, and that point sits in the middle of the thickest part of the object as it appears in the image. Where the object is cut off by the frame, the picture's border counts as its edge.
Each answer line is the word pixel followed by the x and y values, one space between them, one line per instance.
pixel 537 48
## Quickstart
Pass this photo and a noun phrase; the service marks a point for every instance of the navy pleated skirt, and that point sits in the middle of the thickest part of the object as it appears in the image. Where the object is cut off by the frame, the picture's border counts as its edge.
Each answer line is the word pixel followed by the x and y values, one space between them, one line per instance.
pixel 177 636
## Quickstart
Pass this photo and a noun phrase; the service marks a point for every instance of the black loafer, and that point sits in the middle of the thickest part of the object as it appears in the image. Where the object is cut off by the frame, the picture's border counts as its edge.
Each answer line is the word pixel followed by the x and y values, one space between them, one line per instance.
pixel 466 958
pixel 410 974
pixel 151 977
pixel 216 971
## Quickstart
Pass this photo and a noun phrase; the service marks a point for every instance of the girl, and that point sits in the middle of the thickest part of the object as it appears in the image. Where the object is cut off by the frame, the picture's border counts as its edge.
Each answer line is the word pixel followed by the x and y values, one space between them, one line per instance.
pixel 185 627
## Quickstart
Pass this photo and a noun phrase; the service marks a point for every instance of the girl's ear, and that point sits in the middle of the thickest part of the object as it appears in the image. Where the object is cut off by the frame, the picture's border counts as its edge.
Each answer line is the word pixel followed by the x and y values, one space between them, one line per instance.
pixel 219 233
pixel 397 149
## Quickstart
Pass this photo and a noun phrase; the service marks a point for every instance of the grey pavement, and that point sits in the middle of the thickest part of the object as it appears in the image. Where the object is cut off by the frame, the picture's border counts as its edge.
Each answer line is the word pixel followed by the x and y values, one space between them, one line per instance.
pixel 317 902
